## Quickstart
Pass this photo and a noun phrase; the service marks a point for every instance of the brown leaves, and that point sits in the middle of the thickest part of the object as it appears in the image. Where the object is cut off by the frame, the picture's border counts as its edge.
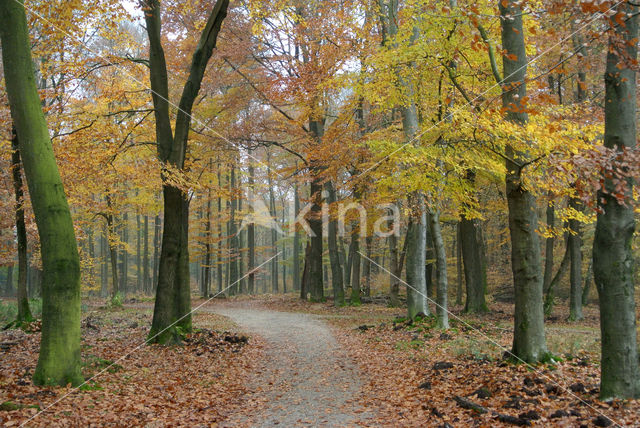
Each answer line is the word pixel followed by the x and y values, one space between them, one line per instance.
pixel 196 384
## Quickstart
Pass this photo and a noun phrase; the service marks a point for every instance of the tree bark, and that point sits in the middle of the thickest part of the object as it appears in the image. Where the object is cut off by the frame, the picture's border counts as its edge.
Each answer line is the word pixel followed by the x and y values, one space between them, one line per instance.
pixel 549 244
pixel 157 228
pixel 415 258
pixel 296 241
pixel 24 313
pixel 59 357
pixel 612 251
pixel 529 343
pixel 355 265
pixel 172 306
pixel 138 254
pixel 458 264
pixel 442 314
pixel 233 236
pixel 334 256
pixel 575 276
pixel 145 258
pixel 475 271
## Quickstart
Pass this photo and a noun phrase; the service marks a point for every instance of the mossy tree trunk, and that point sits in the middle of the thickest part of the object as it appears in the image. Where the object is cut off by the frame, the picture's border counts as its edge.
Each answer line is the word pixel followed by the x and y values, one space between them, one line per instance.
pixel 59 358
pixel 612 251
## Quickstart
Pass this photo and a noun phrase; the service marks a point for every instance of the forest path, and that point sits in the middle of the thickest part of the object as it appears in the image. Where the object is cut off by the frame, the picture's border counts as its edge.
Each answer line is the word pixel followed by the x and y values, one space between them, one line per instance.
pixel 305 379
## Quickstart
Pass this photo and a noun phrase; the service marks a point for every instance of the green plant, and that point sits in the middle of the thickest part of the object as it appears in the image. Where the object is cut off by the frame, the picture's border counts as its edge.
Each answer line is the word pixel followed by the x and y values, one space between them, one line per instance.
pixel 116 301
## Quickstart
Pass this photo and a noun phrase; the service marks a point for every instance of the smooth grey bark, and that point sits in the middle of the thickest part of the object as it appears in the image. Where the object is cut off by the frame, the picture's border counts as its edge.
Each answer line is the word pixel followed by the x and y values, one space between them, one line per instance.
pixel 24 313
pixel 415 258
pixel 334 256
pixel 529 343
pixel 442 314
pixel 612 251
pixel 59 357
pixel 169 320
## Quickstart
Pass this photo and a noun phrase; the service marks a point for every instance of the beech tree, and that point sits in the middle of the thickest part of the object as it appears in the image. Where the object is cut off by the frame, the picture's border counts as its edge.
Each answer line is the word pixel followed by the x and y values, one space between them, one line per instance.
pixel 612 253
pixel 529 342
pixel 59 358
pixel 173 294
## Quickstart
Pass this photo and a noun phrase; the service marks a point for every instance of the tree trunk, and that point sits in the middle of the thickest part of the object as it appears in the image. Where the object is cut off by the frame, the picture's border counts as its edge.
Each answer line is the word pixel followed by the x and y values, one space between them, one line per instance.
pixel 104 254
pixel 157 229
pixel 394 278
pixel 575 277
pixel 138 254
pixel 458 265
pixel 24 313
pixel 549 293
pixel 334 256
pixel 124 267
pixel 315 284
pixel 220 237
pixel 355 266
pixel 274 233
pixel 588 279
pixel 475 271
pixel 172 305
pixel 529 343
pixel 251 239
pixel 305 272
pixel 367 267
pixel 233 236
pixel 145 258
pixel 8 290
pixel 59 358
pixel 442 313
pixel 549 244
pixel 416 256
pixel 296 242
pixel 205 286
pixel 612 250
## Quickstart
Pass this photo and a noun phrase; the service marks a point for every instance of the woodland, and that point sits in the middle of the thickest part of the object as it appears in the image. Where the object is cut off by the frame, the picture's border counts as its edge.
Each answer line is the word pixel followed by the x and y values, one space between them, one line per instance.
pixel 319 213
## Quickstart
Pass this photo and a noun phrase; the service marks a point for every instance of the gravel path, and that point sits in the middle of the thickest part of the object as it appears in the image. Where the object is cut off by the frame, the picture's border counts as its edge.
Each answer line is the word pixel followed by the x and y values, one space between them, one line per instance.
pixel 305 379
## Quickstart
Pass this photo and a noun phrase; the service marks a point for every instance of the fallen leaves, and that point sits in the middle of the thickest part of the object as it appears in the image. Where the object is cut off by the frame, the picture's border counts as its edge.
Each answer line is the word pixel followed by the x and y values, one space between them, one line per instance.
pixel 196 384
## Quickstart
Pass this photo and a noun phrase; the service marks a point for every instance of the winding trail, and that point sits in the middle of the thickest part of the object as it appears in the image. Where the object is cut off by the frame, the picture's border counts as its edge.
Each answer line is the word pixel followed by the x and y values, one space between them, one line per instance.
pixel 305 379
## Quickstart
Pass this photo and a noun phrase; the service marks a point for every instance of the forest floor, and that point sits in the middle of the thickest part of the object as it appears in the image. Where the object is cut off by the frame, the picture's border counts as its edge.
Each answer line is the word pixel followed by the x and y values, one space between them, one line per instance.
pixel 275 360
